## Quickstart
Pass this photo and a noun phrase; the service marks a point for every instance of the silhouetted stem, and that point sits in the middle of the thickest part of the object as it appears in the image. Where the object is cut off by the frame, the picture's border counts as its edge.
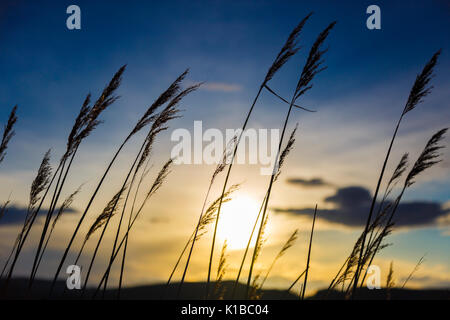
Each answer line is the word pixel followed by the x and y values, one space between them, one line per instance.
pixel 107 222
pixel 36 263
pixel 58 270
pixel 244 126
pixel 372 205
pixel 124 205
pixel 26 230
pixel 272 177
pixel 193 241
pixel 122 267
pixel 309 253
pixel 246 250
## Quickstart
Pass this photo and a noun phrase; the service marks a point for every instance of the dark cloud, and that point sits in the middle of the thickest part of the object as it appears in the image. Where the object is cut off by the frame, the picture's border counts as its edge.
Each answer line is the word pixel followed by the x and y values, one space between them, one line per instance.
pixel 352 206
pixel 16 215
pixel 350 197
pixel 313 182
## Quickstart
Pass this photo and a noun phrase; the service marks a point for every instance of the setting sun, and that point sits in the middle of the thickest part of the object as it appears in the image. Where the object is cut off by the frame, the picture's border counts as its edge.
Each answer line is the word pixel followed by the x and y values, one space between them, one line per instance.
pixel 237 220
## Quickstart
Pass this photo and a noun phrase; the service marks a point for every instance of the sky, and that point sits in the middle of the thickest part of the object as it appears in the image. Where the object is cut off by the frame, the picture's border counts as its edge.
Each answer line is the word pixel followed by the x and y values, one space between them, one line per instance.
pixel 47 69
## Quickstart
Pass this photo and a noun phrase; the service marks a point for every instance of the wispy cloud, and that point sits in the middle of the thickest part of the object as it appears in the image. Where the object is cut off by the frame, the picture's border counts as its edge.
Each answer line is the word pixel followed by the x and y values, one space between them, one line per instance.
pixel 313 182
pixel 220 86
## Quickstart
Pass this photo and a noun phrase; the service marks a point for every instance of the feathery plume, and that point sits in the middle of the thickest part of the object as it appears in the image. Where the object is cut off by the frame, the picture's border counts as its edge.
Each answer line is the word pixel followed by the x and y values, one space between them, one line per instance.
pixel 400 169
pixel 420 89
pixel 314 61
pixel 8 132
pixel 227 154
pixel 170 92
pixel 162 175
pixel 210 214
pixel 89 115
pixel 221 268
pixel 65 205
pixel 170 112
pixel 107 212
pixel 427 158
pixel 40 182
pixel 107 97
pixel 421 260
pixel 288 244
pixel 285 152
pixel 287 51
pixel 262 239
pixel 74 138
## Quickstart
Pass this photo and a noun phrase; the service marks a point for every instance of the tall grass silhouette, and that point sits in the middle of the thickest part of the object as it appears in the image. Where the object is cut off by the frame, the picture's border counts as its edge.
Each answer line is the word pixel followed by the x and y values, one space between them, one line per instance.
pixel 124 207
pixel 419 91
pixel 310 70
pixel 287 51
pixel 8 133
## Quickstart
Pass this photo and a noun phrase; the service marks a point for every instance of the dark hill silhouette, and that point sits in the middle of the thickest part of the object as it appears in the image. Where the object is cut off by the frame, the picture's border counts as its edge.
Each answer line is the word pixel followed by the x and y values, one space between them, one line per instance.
pixel 191 290
pixel 195 290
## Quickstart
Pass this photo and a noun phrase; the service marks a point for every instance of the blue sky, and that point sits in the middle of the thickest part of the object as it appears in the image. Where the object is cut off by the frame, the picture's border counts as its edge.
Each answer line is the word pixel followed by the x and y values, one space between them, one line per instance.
pixel 47 70
pixel 220 41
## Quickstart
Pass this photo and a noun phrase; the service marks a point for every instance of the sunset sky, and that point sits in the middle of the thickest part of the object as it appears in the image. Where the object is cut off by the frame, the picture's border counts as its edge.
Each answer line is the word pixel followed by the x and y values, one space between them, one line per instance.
pixel 47 70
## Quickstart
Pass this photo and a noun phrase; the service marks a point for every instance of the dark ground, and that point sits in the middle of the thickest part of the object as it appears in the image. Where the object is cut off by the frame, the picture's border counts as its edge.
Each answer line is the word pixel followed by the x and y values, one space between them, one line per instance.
pixel 18 290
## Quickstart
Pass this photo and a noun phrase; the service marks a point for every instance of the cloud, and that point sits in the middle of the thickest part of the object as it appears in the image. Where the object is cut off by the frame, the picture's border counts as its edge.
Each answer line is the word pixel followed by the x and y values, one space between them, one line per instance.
pixel 313 182
pixel 220 86
pixel 350 196
pixel 159 220
pixel 444 221
pixel 352 204
pixel 16 215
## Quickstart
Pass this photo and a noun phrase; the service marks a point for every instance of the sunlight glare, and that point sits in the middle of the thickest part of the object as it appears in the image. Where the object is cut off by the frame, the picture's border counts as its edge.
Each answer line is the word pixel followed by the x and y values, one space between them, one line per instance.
pixel 237 220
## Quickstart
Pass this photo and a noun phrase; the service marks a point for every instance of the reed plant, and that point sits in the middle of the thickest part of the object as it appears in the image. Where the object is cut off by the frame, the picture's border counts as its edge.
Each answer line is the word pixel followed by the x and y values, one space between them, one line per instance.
pixel 312 67
pixel 8 132
pixel 158 182
pixel 419 91
pixel 288 50
pixel 309 254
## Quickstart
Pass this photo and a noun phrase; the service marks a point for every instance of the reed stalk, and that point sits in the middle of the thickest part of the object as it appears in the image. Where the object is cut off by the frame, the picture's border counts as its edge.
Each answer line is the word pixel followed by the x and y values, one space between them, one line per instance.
pixel 210 211
pixel 160 120
pixel 419 91
pixel 309 254
pixel 428 158
pixel 162 175
pixel 287 51
pixel 311 68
